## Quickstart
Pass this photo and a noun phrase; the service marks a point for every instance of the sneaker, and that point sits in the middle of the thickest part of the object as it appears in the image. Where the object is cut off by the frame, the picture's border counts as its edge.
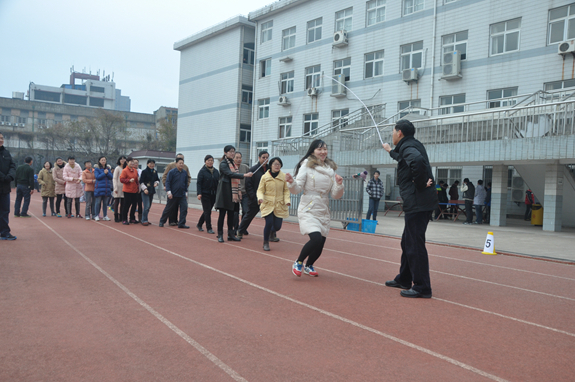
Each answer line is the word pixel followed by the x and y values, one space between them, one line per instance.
pixel 8 237
pixel 126 223
pixel 44 215
pixel 309 270
pixel 87 218
pixel 79 216
pixel 58 215
pixel 25 216
pixel 97 219
pixel 54 214
pixel 16 215
pixel 105 218
pixel 296 269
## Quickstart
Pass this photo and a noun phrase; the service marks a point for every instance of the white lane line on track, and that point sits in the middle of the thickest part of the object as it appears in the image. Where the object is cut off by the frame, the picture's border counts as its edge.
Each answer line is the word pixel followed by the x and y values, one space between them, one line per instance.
pixel 324 312
pixel 205 352
pixel 381 284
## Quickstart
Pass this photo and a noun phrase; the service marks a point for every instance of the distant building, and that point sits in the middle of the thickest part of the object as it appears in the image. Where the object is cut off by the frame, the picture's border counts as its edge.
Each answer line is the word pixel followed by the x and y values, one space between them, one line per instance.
pixel 166 114
pixel 162 158
pixel 215 91
pixel 83 90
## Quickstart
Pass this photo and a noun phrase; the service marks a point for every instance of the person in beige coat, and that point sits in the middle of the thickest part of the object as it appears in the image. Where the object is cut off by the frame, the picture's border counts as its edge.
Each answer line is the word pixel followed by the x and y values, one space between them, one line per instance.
pixel 315 176
pixel 274 199
pixel 60 186
pixel 118 193
pixel 74 190
pixel 46 181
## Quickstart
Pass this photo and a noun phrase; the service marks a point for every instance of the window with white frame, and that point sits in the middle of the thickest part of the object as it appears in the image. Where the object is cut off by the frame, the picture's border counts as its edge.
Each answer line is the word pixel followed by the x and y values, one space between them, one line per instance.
pixel 402 105
pixel 455 104
pixel 245 133
pixel 449 1
pixel 342 67
pixel 288 38
pixel 310 123
pixel 260 146
pixel 374 64
pixel 375 12
pixel 449 174
pixel 312 76
pixel 343 20
pixel 561 24
pixel 501 97
pixel 264 108
pixel 455 42
pixel 247 94
pixel 314 30
pixel 267 31
pixel 505 36
pixel 411 55
pixel 287 82
pixel 249 53
pixel 5 118
pixel 339 118
pixel 556 85
pixel 285 127
pixel 265 68
pixel 412 6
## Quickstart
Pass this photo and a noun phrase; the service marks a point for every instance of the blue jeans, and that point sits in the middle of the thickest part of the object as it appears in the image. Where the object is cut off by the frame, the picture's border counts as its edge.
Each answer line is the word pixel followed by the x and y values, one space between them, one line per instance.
pixel 479 213
pixel 22 192
pixel 4 214
pixel 101 201
pixel 373 207
pixel 147 200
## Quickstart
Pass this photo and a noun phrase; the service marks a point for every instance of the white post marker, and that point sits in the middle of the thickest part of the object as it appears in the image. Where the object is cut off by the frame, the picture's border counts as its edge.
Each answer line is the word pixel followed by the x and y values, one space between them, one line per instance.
pixel 489 248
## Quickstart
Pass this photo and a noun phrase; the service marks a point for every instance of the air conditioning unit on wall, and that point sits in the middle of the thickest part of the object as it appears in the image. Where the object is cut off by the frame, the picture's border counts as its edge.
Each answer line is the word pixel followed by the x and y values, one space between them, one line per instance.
pixel 283 100
pixel 410 75
pixel 517 189
pixel 337 89
pixel 451 69
pixel 312 92
pixel 566 47
pixel 340 38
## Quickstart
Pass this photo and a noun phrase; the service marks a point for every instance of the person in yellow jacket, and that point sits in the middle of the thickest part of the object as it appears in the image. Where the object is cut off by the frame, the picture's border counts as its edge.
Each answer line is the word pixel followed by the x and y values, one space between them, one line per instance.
pixel 274 199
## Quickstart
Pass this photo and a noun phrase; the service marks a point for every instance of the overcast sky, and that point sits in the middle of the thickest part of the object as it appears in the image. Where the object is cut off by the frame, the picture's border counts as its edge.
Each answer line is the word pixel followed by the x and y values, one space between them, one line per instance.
pixel 40 40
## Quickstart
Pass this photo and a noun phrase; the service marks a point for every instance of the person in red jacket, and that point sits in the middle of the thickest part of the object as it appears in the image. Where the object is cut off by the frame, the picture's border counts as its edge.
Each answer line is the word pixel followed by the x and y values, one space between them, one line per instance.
pixel 130 187
pixel 529 200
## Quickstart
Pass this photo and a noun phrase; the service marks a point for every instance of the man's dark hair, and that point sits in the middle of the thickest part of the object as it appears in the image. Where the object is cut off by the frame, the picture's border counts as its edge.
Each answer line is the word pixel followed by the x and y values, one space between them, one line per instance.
pixel 151 161
pixel 480 182
pixel 179 159
pixel 237 152
pixel 179 155
pixel 466 180
pixel 28 160
pixel 262 153
pixel 377 172
pixel 405 127
pixel 71 157
pixel 456 182
pixel 208 157
pixel 87 161
pixel 129 159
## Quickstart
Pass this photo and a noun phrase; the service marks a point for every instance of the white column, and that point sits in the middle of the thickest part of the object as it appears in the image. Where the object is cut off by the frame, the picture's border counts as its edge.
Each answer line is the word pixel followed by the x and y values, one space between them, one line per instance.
pixel 553 199
pixel 499 196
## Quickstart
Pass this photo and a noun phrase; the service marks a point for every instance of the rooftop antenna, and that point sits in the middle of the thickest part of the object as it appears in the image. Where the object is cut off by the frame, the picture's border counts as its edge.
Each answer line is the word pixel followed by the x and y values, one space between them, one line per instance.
pixel 112 76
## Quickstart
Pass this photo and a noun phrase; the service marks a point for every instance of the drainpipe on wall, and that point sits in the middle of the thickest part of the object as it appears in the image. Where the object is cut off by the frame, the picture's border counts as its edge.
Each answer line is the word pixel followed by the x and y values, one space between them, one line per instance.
pixel 433 56
pixel 254 80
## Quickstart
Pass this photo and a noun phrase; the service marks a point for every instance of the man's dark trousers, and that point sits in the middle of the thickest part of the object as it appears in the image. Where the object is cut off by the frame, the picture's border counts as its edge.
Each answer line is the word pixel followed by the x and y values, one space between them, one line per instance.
pixel 208 201
pixel 469 210
pixel 414 260
pixel 253 209
pixel 22 192
pixel 172 205
pixel 4 214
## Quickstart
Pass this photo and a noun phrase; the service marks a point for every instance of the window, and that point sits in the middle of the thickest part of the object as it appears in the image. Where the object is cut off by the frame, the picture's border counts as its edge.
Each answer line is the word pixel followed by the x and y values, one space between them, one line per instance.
pixel 247 94
pixel 343 20
pixel 314 30
pixel 559 85
pixel 505 36
pixel 342 67
pixel 267 31
pixel 287 83
pixel 285 127
pixel 310 123
pixel 374 64
pixel 265 68
pixel 339 118
pixel 401 105
pixel 21 120
pixel 495 97
pixel 449 1
pixel 411 6
pixel 245 133
pixel 452 100
pixel 375 12
pixel 249 54
pixel 75 99
pixel 97 89
pixel 449 175
pixel 261 146
pixel 46 96
pixel 41 122
pixel 98 102
pixel 264 108
pixel 288 38
pixel 455 41
pixel 411 55
pixel 312 76
pixel 5 118
pixel 561 24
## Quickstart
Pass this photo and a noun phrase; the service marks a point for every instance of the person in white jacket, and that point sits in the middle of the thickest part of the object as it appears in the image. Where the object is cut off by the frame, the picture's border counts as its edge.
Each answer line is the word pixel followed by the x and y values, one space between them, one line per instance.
pixel 315 176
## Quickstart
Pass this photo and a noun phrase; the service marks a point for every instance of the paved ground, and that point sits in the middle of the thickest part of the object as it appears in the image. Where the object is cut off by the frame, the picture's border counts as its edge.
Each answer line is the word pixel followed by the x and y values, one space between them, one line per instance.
pixel 87 301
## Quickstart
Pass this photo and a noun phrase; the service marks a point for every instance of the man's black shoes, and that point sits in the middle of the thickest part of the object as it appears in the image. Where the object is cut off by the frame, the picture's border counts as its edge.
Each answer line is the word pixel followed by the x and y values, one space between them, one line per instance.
pixel 414 294
pixel 395 284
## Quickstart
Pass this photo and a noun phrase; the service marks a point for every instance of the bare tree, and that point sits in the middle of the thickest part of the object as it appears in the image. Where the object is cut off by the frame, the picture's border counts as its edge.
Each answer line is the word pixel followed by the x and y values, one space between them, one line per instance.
pixel 168 133
pixel 107 130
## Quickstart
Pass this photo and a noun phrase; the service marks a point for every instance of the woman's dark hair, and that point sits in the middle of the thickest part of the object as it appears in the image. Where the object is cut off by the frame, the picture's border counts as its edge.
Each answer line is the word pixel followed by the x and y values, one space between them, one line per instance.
pixel 271 161
pixel 120 164
pixel 318 143
pixel 50 163
pixel 71 157
pixel 227 149
pixel 103 156
pixel 208 157
pixel 151 161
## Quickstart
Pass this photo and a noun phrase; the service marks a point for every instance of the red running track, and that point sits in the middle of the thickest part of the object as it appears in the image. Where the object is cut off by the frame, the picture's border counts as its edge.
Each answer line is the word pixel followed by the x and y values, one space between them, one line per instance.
pixel 88 301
